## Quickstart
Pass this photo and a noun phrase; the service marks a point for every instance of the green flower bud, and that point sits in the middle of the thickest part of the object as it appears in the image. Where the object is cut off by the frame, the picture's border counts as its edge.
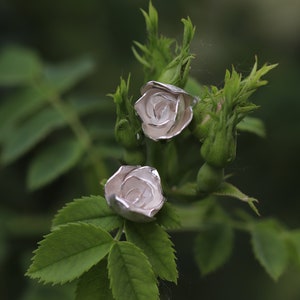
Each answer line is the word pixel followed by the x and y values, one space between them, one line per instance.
pixel 209 178
pixel 126 135
pixel 219 148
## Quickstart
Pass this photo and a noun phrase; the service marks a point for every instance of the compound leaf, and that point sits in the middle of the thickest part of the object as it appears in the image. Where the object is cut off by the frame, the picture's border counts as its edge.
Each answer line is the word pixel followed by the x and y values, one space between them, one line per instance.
pixel 156 244
pixel 53 161
pixel 30 133
pixel 93 209
pixel 94 284
pixel 269 248
pixel 213 247
pixel 130 273
pixel 18 65
pixel 68 252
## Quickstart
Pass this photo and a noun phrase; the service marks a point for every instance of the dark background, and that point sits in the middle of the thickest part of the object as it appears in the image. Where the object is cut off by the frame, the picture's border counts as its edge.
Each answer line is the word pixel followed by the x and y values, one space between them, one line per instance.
pixel 229 32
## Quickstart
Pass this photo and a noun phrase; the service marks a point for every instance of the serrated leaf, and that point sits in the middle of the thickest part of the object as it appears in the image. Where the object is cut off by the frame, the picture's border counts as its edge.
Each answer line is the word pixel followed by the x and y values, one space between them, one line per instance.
pixel 94 284
pixel 53 161
pixel 93 209
pixel 60 78
pixel 130 273
pixel 18 65
pixel 167 217
pixel 252 125
pixel 269 248
pixel 229 190
pixel 68 252
pixel 213 247
pixel 157 246
pixel 30 133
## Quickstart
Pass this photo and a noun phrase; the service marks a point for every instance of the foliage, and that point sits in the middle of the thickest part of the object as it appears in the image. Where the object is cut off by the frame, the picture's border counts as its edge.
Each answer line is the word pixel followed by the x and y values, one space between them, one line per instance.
pixel 110 257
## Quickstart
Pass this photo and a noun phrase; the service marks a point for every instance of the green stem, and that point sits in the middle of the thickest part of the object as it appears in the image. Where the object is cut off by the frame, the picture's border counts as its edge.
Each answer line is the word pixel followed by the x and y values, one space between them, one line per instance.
pixel 119 233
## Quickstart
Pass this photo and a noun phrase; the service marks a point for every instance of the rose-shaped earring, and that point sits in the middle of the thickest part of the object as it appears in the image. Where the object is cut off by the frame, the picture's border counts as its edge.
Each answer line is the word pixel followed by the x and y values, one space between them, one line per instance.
pixel 135 193
pixel 164 109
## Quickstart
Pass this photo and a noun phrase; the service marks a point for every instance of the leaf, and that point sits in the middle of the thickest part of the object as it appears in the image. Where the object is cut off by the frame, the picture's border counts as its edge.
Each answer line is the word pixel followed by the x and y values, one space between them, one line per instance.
pixel 18 65
pixel 30 133
pixel 130 273
pixel 68 252
pixel 213 247
pixel 167 217
pixel 19 105
pixel 53 161
pixel 60 78
pixel 269 248
pixel 157 246
pixel 252 125
pixel 93 210
pixel 227 189
pixel 94 284
pixel 293 238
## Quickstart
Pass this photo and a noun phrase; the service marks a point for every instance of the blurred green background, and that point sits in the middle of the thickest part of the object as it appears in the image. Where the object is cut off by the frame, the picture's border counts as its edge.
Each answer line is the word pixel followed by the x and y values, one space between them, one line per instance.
pixel 228 32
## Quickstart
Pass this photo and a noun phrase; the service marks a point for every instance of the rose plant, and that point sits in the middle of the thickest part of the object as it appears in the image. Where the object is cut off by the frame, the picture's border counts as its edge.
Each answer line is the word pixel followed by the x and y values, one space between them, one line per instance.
pixel 181 136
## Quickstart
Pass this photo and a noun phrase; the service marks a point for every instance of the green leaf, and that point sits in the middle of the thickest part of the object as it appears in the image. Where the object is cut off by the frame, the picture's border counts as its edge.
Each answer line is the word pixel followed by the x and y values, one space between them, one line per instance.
pixel 19 105
pixel 93 209
pixel 252 125
pixel 213 247
pixel 269 248
pixel 167 217
pixel 130 273
pixel 68 252
pixel 229 190
pixel 53 161
pixel 60 78
pixel 293 238
pixel 18 65
pixel 94 284
pixel 156 244
pixel 29 133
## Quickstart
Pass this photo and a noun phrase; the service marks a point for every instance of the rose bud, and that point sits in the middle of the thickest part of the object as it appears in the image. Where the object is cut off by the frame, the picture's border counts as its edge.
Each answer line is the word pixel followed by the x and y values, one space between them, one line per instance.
pixel 164 109
pixel 135 193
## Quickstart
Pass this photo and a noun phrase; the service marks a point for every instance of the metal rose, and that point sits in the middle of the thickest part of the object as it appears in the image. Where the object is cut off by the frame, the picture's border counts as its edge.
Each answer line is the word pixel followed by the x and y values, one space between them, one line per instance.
pixel 135 193
pixel 164 109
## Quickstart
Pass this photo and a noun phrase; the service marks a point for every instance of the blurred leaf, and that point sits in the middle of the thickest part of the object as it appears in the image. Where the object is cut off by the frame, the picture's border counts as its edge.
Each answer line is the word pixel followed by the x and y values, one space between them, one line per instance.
pixel 167 217
pixel 53 161
pixel 229 190
pixel 94 284
pixel 19 105
pixel 68 252
pixel 213 247
pixel 18 65
pixel 85 104
pixel 93 209
pixel 130 273
pixel 29 133
pixel 156 244
pixel 252 125
pixel 269 248
pixel 60 78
